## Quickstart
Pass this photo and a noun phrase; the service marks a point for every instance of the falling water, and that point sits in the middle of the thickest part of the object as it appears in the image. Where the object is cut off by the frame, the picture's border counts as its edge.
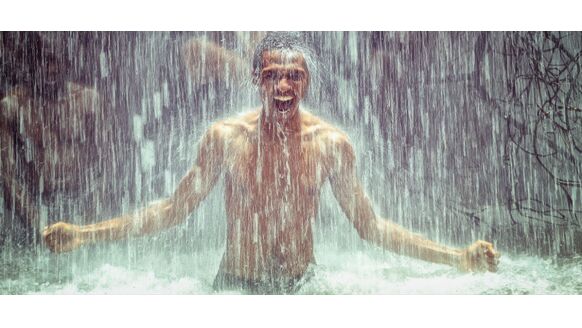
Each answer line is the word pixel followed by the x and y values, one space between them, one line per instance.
pixel 459 136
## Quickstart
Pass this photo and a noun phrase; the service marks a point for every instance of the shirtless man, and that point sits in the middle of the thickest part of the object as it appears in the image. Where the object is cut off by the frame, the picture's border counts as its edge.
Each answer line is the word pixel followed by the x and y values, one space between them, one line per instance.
pixel 274 162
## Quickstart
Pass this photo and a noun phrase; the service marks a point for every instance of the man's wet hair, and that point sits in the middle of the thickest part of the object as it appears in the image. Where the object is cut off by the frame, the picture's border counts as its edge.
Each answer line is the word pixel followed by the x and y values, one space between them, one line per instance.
pixel 290 41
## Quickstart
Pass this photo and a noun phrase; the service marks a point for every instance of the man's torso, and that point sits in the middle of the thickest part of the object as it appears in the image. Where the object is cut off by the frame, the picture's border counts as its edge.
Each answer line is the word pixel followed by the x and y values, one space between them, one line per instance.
pixel 272 192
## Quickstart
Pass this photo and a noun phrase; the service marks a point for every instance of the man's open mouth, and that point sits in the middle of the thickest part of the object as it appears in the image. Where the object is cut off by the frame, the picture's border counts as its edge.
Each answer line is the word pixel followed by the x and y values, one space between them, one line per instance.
pixel 283 103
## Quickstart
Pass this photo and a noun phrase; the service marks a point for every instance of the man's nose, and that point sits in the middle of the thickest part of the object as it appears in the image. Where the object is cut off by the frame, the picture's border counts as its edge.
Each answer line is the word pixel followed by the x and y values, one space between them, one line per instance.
pixel 283 85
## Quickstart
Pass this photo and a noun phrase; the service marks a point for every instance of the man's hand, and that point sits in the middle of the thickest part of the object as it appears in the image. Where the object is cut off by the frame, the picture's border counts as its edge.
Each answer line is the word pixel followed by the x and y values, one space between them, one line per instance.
pixel 62 237
pixel 481 256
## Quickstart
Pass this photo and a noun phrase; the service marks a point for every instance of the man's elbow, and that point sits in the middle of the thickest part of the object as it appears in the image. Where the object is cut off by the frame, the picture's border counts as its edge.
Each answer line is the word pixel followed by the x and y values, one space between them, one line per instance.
pixel 157 217
pixel 377 232
pixel 174 213
pixel 370 230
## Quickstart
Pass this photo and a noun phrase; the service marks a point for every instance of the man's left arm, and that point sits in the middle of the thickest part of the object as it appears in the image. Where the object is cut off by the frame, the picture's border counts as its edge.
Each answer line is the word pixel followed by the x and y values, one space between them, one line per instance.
pixel 352 198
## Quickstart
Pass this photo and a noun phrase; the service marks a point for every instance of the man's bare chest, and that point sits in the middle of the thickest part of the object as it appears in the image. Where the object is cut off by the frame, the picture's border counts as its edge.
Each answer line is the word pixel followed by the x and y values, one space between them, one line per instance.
pixel 277 175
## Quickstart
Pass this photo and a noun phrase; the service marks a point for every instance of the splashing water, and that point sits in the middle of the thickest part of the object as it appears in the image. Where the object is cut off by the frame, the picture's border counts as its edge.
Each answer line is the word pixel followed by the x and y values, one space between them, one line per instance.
pixel 365 271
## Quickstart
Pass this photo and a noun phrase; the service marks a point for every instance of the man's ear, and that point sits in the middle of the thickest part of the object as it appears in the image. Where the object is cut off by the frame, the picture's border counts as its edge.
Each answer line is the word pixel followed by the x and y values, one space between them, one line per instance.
pixel 256 78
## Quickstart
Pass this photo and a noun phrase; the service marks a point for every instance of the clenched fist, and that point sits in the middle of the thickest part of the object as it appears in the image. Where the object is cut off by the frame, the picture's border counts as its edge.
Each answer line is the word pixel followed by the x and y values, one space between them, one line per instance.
pixel 480 256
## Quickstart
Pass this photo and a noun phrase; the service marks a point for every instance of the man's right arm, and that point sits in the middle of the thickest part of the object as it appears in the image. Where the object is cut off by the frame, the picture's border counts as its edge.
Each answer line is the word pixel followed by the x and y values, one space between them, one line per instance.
pixel 193 188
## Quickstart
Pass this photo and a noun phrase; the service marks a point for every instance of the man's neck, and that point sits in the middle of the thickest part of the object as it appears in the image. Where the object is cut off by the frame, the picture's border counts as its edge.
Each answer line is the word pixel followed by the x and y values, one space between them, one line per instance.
pixel 280 131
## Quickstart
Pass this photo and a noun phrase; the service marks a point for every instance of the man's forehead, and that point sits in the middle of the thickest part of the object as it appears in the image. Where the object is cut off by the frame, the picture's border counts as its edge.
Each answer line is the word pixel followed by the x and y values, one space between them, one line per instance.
pixel 283 57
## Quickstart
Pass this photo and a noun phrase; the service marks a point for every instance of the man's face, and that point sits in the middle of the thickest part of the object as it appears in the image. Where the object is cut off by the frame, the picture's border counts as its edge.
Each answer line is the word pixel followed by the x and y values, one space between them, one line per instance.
pixel 283 82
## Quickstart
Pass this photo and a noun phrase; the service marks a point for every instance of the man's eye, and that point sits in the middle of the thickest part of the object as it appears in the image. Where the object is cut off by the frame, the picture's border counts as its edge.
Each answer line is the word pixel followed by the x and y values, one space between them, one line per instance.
pixel 268 76
pixel 295 76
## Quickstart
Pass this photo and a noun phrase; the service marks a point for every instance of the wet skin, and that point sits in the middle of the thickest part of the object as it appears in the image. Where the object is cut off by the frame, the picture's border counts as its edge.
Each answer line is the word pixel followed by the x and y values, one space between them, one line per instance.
pixel 274 161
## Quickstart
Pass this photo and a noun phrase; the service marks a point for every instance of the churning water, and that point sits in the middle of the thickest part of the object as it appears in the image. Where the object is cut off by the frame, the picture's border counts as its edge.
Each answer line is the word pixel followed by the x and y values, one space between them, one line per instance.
pixel 365 271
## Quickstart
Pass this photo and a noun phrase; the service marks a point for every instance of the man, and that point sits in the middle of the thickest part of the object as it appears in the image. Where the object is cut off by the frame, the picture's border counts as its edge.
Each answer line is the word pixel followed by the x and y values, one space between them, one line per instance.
pixel 274 161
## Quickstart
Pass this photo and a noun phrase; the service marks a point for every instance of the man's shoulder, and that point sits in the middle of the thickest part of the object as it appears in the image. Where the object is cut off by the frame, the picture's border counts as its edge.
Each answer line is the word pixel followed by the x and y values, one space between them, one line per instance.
pixel 320 130
pixel 235 125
